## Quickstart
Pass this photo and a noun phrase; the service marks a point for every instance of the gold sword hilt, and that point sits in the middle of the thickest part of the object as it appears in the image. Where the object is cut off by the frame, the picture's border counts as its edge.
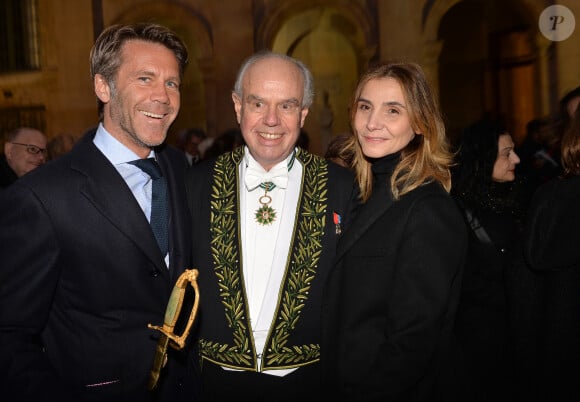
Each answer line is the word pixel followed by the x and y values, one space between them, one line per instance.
pixel 172 313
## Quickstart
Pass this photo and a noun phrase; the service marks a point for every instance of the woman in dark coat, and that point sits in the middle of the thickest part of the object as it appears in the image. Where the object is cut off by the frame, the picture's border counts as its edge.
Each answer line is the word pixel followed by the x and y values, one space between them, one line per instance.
pixel 486 189
pixel 545 295
pixel 390 301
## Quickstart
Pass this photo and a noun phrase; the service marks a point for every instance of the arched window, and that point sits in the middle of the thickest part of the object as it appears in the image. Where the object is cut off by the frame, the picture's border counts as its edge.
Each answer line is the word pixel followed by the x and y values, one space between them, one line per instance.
pixel 19 36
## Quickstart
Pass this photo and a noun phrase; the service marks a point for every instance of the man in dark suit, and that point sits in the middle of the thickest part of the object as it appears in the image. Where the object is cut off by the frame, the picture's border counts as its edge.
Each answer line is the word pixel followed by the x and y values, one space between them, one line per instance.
pixel 24 150
pixel 82 274
pixel 266 220
pixel 190 139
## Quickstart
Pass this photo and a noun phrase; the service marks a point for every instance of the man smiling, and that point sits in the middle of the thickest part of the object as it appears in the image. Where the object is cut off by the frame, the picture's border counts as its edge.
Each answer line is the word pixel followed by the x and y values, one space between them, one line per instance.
pixel 266 219
pixel 83 272
pixel 24 150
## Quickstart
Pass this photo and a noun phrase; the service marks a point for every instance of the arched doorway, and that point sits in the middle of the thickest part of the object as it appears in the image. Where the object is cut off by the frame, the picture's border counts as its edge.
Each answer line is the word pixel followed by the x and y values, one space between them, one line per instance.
pixel 330 40
pixel 489 65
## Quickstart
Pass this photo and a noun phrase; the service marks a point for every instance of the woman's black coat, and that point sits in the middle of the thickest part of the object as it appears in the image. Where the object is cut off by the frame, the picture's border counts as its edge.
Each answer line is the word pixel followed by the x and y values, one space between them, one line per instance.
pixel 391 299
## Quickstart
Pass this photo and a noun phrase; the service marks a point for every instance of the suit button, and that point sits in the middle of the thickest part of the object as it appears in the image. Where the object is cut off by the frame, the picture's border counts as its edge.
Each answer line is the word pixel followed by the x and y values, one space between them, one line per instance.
pixel 155 273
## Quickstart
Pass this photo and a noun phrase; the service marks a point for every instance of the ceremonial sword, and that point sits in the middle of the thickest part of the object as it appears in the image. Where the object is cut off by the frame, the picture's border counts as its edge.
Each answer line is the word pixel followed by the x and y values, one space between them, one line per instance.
pixel 168 337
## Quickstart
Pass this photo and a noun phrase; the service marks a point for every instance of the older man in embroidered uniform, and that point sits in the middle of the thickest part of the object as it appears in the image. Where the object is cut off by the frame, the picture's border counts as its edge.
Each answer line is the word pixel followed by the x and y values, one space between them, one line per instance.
pixel 266 218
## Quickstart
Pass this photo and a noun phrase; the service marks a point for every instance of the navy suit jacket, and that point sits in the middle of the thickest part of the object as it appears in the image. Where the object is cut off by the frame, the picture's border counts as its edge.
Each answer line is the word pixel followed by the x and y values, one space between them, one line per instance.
pixel 82 276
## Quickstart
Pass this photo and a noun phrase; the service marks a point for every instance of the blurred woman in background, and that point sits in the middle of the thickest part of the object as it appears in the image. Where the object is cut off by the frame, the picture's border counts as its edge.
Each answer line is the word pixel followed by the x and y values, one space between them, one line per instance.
pixel 485 188
pixel 545 285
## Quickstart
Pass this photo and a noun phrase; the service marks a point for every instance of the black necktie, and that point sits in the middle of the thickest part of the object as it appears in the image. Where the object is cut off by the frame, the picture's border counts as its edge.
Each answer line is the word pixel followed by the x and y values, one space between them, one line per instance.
pixel 158 220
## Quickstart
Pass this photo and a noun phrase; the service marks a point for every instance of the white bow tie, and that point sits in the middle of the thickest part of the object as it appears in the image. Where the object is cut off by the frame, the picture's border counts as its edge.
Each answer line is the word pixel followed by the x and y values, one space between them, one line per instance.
pixel 254 177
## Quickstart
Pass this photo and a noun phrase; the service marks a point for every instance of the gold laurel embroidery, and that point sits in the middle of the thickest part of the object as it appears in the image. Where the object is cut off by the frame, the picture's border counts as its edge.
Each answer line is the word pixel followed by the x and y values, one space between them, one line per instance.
pixel 307 248
pixel 225 255
pixel 306 252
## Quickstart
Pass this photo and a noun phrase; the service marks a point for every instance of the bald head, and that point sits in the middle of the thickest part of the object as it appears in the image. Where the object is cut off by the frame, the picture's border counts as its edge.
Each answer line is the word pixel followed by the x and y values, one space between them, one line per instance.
pixel 25 150
pixel 273 58
pixel 270 99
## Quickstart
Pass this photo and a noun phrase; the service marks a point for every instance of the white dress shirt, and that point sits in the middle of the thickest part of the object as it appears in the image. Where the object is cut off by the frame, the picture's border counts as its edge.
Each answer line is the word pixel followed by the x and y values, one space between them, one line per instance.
pixel 265 248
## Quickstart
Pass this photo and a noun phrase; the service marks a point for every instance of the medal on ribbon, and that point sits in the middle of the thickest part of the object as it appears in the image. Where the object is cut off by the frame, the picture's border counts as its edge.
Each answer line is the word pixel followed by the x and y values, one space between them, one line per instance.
pixel 265 215
pixel 337 223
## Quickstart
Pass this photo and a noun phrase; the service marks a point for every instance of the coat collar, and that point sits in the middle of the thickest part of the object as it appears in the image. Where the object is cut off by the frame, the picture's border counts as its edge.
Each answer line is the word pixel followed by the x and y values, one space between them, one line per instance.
pixel 107 191
pixel 280 351
pixel 367 215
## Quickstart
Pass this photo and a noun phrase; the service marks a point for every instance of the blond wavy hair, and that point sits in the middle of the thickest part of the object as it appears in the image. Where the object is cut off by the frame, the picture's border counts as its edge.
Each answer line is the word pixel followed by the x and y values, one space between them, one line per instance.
pixel 428 156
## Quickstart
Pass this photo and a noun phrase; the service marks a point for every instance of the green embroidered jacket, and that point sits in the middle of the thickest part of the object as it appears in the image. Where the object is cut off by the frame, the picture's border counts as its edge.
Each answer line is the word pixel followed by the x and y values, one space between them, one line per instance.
pixel 225 336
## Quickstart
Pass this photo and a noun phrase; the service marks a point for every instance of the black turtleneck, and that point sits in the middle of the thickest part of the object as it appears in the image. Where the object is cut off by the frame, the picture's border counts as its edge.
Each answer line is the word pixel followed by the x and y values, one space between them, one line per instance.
pixel 383 169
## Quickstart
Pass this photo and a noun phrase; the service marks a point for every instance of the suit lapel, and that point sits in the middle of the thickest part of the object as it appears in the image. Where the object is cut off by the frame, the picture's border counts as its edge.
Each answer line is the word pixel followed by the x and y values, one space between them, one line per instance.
pixel 368 214
pixel 107 191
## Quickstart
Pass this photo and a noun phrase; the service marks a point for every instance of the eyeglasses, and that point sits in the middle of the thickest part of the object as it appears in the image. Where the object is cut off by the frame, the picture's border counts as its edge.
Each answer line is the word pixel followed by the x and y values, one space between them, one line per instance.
pixel 32 149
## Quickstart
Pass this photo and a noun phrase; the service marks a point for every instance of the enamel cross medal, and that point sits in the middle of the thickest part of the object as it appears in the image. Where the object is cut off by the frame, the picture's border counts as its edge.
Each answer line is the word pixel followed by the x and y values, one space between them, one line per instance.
pixel 265 215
